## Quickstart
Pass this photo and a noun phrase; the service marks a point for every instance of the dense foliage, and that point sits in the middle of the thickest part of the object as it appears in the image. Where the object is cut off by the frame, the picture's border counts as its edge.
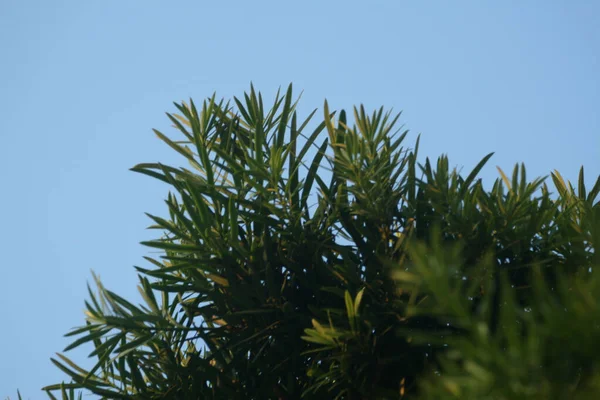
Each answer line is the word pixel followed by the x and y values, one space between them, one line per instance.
pixel 331 264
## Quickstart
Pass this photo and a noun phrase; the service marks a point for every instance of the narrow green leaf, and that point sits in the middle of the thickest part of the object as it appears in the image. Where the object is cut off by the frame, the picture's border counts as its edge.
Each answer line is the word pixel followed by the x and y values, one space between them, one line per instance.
pixel 310 177
pixel 182 248
pixel 284 117
pixel 559 182
pixel 233 221
pixel 87 338
pixel 581 185
pixel 471 177
pixel 523 183
pixel 358 300
pixel 132 345
pixel 515 178
pixel 504 178
pixel 594 192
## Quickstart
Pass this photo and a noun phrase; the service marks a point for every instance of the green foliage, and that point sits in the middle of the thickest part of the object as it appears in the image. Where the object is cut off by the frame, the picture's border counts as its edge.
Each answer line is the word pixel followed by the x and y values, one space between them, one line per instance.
pixel 326 262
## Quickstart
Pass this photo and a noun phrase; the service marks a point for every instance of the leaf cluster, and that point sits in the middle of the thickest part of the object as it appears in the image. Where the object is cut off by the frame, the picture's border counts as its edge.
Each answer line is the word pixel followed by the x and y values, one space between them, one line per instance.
pixel 322 260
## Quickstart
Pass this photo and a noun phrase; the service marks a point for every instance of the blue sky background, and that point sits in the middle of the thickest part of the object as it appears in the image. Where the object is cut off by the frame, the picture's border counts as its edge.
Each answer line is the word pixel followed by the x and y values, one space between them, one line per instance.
pixel 83 82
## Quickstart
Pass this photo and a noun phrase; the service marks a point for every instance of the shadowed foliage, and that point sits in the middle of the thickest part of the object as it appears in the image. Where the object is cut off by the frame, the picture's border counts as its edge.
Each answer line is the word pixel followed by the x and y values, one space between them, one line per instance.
pixel 319 259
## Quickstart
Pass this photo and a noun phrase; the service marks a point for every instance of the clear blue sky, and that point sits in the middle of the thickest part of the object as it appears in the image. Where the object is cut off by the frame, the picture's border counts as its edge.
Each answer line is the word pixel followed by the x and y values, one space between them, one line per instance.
pixel 83 82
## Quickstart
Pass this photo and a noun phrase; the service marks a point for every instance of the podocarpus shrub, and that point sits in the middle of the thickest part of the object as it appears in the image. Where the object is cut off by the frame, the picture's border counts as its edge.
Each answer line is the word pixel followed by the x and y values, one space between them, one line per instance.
pixel 322 260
